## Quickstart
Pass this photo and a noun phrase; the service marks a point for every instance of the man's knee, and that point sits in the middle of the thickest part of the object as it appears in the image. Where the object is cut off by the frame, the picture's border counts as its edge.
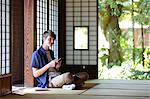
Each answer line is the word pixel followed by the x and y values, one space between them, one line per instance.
pixel 86 75
pixel 83 76
pixel 68 78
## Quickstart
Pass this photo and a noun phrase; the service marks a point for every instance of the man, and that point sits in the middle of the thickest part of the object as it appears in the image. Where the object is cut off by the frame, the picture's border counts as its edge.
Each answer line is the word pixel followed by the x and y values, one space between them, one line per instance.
pixel 45 67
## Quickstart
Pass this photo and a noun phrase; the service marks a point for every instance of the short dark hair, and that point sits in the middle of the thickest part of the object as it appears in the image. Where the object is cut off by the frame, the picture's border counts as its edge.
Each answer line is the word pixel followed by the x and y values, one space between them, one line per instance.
pixel 48 33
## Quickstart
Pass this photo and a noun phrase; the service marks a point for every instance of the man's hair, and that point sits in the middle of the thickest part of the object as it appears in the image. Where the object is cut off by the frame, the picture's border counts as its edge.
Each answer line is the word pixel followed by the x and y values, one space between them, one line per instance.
pixel 48 33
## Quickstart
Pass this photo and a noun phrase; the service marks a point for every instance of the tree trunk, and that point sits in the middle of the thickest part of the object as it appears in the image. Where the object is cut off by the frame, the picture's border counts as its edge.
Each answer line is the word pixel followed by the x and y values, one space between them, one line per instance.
pixel 115 54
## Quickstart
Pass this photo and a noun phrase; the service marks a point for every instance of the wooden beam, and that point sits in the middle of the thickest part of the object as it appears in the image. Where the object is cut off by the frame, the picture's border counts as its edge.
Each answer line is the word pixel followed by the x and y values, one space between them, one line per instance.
pixel 28 41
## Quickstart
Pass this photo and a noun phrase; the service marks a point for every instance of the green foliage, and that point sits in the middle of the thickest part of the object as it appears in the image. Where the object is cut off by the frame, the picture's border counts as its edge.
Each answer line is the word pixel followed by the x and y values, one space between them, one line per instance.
pixel 147 58
pixel 126 43
pixel 140 75
pixel 103 56
pixel 131 62
pixel 108 7
pixel 142 10
pixel 137 56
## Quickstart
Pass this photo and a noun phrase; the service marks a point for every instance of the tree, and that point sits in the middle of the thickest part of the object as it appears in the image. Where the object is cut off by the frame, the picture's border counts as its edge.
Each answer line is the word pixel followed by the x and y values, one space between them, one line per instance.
pixel 109 12
pixel 141 16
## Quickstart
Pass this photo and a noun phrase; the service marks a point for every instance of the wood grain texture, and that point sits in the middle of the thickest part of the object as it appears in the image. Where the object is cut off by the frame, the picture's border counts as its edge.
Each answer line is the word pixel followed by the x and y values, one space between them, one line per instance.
pixel 5 84
pixel 17 48
pixel 28 40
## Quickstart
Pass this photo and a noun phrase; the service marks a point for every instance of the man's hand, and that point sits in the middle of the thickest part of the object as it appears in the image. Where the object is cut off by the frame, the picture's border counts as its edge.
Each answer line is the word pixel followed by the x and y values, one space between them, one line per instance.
pixel 52 64
pixel 58 63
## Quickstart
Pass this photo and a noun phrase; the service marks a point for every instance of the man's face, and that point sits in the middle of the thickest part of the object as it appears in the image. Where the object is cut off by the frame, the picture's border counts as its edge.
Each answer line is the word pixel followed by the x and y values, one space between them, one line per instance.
pixel 50 41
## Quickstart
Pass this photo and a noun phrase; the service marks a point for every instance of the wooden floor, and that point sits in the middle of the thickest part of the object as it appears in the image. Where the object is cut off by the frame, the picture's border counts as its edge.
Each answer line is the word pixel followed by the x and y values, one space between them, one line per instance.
pixel 102 89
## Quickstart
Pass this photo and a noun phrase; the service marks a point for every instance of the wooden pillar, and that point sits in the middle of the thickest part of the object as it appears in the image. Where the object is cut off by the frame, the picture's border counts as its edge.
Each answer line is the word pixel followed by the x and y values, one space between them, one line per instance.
pixel 17 28
pixel 28 41
pixel 62 29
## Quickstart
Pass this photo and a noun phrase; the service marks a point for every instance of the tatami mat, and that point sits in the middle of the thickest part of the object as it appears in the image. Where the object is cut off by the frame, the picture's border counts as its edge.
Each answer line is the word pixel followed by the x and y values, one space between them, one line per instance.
pixel 61 96
pixel 120 88
pixel 47 91
pixel 117 92
pixel 33 90
pixel 93 89
pixel 116 81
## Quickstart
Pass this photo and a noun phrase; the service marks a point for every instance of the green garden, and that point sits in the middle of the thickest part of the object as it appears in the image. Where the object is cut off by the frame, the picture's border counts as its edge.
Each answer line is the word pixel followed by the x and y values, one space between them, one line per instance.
pixel 124 39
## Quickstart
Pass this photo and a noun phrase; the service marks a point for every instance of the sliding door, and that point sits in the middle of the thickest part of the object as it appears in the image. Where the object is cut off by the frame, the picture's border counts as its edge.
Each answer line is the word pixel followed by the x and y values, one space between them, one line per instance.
pixel 5 38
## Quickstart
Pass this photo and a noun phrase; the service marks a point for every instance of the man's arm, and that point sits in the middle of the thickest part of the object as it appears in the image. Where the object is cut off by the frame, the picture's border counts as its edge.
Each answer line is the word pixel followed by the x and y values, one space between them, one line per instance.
pixel 38 72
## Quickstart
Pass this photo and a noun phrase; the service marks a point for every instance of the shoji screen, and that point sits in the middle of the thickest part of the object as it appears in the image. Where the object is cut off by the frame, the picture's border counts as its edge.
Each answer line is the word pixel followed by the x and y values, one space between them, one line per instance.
pixel 53 22
pixel 82 13
pixel 47 19
pixel 4 37
pixel 41 20
pixel 5 48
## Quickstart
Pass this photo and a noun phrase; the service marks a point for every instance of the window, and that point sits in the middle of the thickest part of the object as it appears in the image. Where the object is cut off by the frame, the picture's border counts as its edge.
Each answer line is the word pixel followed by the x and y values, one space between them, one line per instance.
pixel 80 37
pixel 47 19
pixel 4 37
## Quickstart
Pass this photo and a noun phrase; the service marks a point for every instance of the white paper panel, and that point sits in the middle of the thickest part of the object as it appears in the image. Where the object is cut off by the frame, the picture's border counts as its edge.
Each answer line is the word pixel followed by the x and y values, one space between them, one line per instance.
pixel 85 19
pixel 93 14
pixel 85 9
pixel 69 1
pixel 77 19
pixel 93 19
pixel 83 14
pixel 85 0
pixel 93 53
pixel 77 23
pixel 93 37
pixel 69 47
pixel 69 52
pixel 69 9
pixel 77 57
pixel 77 62
pixel 85 52
pixel 76 4
pixel 85 4
pixel 3 70
pixel 93 62
pixel 84 23
pixel 70 28
pixel 69 14
pixel 77 9
pixel 69 38
pixel 93 3
pixel 85 57
pixel 93 57
pixel 69 62
pixel 77 14
pixel 93 48
pixel 77 52
pixel 69 4
pixel 69 43
pixel 68 57
pixel 8 69
pixel 85 62
pixel 92 9
pixel 69 34
pixel 92 28
pixel 77 0
pixel 91 23
pixel 69 23
pixel 70 19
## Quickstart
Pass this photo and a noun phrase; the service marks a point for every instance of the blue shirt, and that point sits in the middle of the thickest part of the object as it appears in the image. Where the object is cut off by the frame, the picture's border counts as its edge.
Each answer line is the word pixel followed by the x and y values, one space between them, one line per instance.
pixel 39 59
